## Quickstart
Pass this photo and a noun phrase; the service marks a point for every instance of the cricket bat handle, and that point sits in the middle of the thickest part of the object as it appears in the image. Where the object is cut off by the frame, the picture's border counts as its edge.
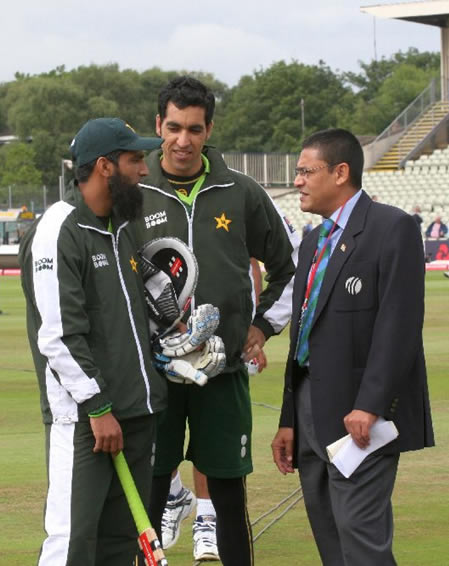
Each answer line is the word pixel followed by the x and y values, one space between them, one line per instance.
pixel 148 541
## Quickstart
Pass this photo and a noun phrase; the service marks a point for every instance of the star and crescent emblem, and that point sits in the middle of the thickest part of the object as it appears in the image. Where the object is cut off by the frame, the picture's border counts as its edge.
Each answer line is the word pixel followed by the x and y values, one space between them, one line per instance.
pixel 222 222
pixel 133 263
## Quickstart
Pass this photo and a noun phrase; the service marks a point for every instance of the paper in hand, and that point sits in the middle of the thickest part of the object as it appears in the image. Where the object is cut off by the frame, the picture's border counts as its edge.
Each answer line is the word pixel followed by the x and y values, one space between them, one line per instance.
pixel 347 456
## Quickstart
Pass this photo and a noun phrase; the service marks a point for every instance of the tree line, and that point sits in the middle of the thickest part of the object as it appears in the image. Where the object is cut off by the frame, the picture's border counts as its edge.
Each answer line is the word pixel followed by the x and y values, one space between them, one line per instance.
pixel 270 110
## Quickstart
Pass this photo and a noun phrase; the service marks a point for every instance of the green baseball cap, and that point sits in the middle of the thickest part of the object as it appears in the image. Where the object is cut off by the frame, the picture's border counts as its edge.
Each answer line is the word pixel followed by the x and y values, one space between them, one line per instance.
pixel 100 136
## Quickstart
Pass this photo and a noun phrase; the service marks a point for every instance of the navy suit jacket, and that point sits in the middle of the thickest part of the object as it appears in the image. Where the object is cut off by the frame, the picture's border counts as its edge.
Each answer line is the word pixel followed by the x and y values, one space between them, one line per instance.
pixel 365 344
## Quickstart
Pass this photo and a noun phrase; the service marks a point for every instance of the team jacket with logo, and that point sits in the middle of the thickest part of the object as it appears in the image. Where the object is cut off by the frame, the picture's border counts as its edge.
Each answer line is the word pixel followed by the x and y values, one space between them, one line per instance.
pixel 232 219
pixel 86 316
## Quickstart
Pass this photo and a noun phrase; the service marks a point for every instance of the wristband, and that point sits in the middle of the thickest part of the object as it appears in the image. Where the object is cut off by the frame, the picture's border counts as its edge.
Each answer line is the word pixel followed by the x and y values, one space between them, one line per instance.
pixel 101 411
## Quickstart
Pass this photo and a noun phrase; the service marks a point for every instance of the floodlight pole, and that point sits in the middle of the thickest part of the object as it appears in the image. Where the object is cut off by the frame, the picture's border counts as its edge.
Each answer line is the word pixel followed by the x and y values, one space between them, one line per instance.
pixel 302 117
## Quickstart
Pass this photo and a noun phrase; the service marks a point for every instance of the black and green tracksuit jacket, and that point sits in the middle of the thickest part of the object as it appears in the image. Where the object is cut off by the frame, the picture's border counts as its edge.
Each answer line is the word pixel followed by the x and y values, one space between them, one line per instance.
pixel 86 316
pixel 231 220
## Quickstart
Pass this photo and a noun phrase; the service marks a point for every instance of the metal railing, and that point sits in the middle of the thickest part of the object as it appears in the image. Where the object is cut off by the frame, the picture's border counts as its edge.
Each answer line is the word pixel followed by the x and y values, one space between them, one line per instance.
pixel 433 118
pixel 268 169
pixel 427 141
pixel 414 110
pixel 36 199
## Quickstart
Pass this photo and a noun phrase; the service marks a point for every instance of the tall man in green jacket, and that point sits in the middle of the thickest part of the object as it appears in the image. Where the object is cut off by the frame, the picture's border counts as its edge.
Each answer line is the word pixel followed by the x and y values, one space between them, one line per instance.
pixel 88 331
pixel 226 218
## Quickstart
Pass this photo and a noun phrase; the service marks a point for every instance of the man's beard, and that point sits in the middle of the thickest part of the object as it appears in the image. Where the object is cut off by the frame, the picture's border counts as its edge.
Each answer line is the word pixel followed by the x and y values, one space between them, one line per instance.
pixel 126 197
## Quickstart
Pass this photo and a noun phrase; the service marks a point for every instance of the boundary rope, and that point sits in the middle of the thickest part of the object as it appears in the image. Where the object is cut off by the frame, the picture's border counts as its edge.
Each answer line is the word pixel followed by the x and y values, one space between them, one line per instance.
pixel 279 517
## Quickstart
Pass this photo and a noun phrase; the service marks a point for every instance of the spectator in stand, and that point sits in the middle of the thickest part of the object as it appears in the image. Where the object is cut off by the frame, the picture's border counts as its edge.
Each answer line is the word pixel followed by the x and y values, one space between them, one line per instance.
pixel 436 229
pixel 417 215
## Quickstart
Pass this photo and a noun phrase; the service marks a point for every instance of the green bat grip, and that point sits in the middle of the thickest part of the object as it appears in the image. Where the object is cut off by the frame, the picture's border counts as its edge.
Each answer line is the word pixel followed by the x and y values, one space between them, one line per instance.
pixel 132 495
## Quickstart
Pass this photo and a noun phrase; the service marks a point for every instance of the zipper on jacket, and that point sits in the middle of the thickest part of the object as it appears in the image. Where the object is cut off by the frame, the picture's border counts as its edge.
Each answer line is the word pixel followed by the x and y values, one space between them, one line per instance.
pixel 115 242
pixel 188 216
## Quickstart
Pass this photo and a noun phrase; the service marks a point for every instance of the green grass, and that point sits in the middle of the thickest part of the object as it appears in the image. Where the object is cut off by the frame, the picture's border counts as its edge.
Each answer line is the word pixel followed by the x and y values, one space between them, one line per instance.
pixel 421 497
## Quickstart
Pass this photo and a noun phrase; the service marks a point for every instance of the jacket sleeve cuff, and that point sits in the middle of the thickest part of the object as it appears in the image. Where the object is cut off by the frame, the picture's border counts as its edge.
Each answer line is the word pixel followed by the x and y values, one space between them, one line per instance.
pixel 96 403
pixel 287 418
pixel 264 326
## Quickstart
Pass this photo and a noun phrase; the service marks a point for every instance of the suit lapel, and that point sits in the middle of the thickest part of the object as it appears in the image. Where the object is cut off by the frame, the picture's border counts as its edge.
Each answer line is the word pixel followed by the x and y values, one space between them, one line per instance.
pixel 343 251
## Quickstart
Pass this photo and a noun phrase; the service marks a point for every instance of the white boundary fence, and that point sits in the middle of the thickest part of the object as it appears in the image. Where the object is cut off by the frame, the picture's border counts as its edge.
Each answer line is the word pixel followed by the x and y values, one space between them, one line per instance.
pixel 268 169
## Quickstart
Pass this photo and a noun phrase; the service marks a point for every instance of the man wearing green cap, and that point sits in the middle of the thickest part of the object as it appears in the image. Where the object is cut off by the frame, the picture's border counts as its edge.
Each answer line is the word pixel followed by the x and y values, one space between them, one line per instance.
pixel 88 332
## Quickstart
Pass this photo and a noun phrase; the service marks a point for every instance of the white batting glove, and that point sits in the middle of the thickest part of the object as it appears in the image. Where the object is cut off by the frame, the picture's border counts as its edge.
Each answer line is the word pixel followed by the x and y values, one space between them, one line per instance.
pixel 211 359
pixel 181 371
pixel 201 325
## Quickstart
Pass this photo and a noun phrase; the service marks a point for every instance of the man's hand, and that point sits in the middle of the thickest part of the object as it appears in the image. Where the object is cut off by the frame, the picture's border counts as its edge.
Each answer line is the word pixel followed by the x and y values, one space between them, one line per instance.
pixel 282 448
pixel 108 434
pixel 261 361
pixel 358 424
pixel 255 341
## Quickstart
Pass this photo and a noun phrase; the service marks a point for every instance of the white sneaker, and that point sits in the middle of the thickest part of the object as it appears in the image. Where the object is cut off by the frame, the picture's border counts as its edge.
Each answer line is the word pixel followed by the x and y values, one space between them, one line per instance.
pixel 205 538
pixel 177 509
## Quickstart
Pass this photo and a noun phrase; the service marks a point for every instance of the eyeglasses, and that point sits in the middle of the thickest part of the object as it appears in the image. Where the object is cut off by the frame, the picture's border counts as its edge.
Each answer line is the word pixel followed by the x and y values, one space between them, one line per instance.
pixel 307 171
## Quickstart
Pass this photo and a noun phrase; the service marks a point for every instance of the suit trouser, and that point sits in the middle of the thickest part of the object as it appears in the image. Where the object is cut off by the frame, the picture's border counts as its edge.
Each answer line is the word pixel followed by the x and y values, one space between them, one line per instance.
pixel 351 519
pixel 87 517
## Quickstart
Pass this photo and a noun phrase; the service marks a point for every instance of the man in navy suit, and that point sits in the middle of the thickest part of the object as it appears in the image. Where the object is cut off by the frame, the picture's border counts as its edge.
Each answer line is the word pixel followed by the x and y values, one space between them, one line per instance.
pixel 363 358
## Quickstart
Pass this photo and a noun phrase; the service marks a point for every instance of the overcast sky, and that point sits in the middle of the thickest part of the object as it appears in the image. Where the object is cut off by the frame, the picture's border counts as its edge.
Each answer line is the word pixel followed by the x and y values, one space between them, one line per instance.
pixel 229 38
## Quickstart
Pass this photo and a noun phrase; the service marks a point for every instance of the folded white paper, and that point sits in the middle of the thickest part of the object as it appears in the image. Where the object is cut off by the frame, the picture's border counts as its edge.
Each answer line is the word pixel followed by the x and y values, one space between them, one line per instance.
pixel 347 456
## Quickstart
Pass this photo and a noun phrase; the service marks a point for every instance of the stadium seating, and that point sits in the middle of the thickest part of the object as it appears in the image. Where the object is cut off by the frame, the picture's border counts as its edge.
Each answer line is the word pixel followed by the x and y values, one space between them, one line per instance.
pixel 423 183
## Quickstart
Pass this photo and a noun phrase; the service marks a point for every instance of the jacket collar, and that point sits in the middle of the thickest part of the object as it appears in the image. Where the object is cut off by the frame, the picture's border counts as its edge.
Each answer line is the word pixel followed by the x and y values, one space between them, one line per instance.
pixel 84 215
pixel 344 249
pixel 219 176
pixel 340 256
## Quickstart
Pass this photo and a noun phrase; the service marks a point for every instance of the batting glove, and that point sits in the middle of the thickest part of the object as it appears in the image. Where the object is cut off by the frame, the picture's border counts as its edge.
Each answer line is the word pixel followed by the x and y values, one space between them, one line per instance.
pixel 179 371
pixel 201 325
pixel 211 359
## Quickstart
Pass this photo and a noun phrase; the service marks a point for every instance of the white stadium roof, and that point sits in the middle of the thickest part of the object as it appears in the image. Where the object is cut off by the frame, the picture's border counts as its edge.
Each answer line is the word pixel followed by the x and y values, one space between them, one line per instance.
pixel 432 12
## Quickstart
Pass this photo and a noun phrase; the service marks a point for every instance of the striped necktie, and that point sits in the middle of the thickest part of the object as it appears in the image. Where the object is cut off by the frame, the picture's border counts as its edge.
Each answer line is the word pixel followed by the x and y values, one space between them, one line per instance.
pixel 302 351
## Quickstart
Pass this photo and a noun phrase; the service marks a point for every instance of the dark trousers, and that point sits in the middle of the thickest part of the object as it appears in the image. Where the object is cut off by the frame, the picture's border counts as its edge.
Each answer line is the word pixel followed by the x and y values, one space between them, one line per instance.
pixel 87 517
pixel 234 535
pixel 351 519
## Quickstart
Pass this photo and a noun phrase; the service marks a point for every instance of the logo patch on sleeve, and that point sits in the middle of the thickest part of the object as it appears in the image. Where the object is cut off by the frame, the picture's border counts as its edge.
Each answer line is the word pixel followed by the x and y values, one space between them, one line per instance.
pixel 43 263
pixel 289 225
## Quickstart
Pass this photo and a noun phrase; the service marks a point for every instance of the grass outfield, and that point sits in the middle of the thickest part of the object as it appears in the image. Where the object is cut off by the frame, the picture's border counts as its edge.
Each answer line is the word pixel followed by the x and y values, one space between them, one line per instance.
pixel 421 497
